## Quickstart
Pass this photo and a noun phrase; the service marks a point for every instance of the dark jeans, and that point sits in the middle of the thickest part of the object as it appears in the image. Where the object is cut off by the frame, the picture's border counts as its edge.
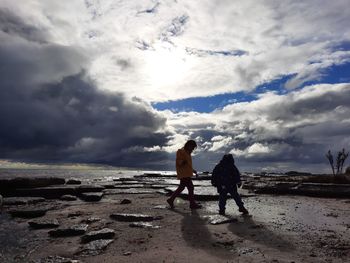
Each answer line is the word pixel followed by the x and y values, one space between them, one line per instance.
pixel 184 182
pixel 223 197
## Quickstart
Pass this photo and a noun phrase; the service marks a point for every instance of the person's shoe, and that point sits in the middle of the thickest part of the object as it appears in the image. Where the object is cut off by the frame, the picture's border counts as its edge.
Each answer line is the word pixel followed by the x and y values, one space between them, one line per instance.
pixel 222 212
pixel 243 210
pixel 195 206
pixel 171 203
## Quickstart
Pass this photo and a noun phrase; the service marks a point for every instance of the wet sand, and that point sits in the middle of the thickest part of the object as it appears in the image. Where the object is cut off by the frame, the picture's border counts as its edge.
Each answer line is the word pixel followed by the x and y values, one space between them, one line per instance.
pixel 281 229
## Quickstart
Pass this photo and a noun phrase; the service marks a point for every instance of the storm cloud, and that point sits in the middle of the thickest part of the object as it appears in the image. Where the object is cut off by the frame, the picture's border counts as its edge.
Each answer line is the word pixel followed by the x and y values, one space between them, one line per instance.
pixel 51 110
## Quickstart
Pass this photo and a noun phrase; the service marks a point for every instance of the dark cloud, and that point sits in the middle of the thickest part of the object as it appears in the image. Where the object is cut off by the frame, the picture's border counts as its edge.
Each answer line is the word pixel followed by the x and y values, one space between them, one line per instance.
pixel 51 111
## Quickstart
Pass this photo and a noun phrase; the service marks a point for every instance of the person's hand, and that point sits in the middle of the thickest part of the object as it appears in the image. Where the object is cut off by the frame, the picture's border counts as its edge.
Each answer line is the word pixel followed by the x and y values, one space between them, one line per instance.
pixel 195 172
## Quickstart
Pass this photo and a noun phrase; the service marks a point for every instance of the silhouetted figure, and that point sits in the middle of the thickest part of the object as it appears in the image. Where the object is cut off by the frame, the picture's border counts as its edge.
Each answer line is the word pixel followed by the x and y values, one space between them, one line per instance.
pixel 184 171
pixel 225 178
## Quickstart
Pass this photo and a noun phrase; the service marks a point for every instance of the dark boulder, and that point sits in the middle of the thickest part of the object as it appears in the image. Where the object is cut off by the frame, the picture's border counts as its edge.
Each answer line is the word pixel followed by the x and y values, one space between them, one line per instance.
pixel 73 181
pixel 74 230
pixel 45 223
pixel 28 212
pixel 91 197
pixel 134 217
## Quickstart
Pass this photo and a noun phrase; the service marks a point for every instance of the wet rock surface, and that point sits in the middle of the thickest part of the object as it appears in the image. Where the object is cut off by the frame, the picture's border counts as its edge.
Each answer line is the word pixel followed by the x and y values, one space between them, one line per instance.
pixel 125 201
pixel 134 217
pixel 91 196
pixel 44 223
pixel 143 225
pixel 219 219
pixel 105 233
pixel 94 248
pixel 28 212
pixel 56 259
pixel 73 181
pixel 74 230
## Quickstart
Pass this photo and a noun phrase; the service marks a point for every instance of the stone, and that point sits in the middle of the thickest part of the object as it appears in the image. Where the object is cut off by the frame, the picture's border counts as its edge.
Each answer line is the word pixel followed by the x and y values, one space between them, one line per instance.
pixel 125 201
pixel 73 181
pixel 75 230
pixel 50 192
pixel 219 219
pixel 22 200
pixel 45 223
pixel 28 213
pixel 91 196
pixel 57 259
pixel 128 191
pixel 105 233
pixel 91 220
pixel 143 225
pixel 68 198
pixel 134 217
pixel 96 247
pixel 89 188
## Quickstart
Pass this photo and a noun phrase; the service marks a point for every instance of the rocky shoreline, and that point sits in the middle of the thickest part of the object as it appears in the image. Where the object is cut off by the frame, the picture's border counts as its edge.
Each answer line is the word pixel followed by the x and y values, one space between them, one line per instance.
pixel 56 220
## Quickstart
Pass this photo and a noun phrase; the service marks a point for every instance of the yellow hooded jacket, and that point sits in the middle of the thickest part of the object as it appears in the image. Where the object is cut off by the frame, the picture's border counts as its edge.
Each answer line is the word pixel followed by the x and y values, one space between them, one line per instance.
pixel 184 170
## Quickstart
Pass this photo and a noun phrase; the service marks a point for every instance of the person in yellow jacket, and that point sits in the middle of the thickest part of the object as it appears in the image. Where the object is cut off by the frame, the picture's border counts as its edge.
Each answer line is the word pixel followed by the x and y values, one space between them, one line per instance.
pixel 185 171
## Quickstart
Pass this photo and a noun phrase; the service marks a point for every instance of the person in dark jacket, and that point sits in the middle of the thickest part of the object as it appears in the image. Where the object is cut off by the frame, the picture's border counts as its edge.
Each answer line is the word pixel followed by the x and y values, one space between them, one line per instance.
pixel 226 177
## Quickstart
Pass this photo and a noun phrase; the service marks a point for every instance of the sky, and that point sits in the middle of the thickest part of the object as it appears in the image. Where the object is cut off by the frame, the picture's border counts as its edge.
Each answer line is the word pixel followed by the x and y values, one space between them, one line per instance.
pixel 126 83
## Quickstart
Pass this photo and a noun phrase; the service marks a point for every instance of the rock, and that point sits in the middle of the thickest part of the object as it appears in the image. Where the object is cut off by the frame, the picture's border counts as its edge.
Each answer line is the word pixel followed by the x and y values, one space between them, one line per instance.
pixel 74 230
pixel 91 196
pixel 89 188
pixel 57 259
pixel 73 181
pixel 161 206
pixel 134 217
pixel 105 233
pixel 22 200
pixel 128 191
pixel 50 192
pixel 143 225
pixel 29 182
pixel 45 223
pixel 96 247
pixel 91 220
pixel 127 253
pixel 219 219
pixel 125 201
pixel 68 198
pixel 28 213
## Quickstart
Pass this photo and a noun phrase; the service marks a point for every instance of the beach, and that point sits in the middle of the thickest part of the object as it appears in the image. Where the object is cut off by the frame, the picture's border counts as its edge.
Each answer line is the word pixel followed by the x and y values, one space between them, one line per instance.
pixel 280 228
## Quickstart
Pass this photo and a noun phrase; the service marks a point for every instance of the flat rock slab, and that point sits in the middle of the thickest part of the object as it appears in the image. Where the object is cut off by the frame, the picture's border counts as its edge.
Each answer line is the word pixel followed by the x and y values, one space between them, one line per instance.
pixel 91 220
pixel 56 259
pixel 95 247
pixel 74 230
pixel 219 219
pixel 68 198
pixel 44 223
pixel 143 225
pixel 105 233
pixel 89 188
pixel 28 213
pixel 22 200
pixel 91 196
pixel 73 181
pixel 134 217
pixel 128 191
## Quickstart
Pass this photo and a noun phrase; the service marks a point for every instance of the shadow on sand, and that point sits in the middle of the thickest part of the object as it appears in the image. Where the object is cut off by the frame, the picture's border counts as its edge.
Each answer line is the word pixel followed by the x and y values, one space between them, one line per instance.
pixel 258 233
pixel 196 234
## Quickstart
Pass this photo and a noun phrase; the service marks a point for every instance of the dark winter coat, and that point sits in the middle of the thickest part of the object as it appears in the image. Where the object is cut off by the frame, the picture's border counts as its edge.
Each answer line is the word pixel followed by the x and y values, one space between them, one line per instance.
pixel 225 174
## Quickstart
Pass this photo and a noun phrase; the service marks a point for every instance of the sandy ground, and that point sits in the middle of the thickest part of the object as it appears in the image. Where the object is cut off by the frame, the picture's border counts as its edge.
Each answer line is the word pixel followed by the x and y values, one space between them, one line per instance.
pixel 281 229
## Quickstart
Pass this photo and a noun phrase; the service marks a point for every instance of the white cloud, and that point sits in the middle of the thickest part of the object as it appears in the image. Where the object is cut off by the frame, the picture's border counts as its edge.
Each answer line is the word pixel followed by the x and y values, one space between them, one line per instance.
pixel 139 47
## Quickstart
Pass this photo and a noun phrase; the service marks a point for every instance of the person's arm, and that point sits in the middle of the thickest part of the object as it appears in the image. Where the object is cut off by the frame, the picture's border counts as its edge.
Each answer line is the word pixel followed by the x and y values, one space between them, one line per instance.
pixel 195 172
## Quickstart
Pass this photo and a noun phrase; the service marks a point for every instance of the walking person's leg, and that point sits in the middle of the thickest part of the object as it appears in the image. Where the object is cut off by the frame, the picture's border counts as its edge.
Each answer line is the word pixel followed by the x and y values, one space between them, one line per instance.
pixel 177 192
pixel 222 201
pixel 190 188
pixel 235 195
